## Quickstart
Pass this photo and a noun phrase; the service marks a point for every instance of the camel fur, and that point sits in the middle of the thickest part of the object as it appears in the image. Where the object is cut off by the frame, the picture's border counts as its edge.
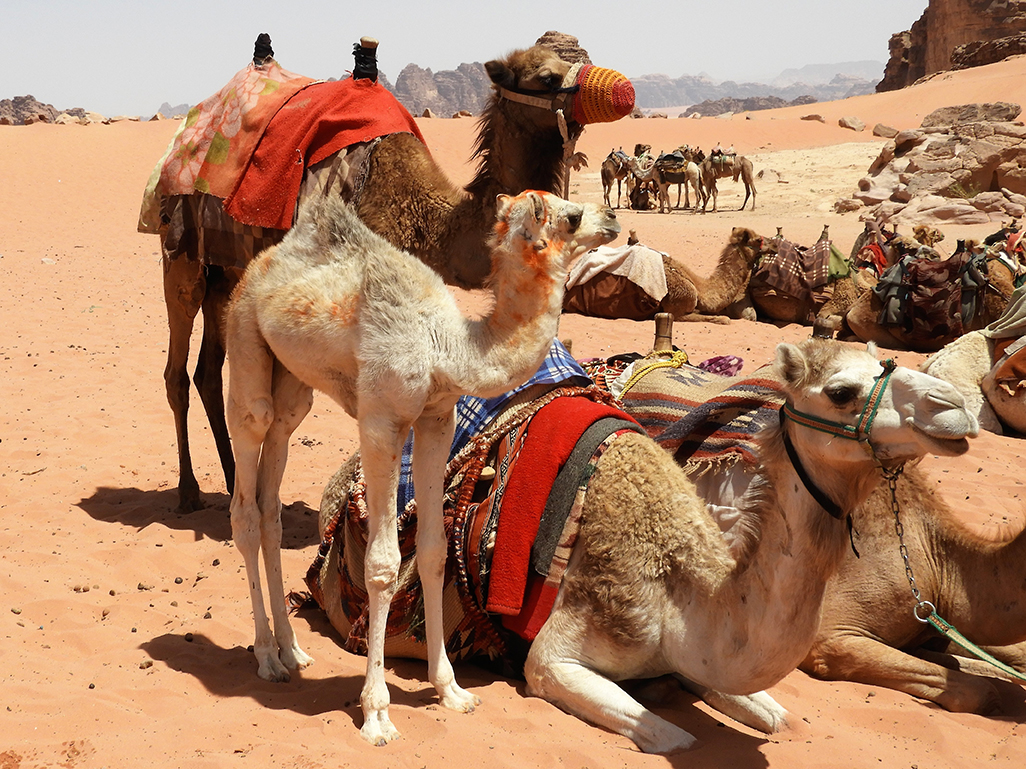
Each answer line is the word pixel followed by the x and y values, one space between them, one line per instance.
pixel 693 297
pixel 654 587
pixel 613 169
pixel 408 200
pixel 868 632
pixel 335 307
pixel 739 167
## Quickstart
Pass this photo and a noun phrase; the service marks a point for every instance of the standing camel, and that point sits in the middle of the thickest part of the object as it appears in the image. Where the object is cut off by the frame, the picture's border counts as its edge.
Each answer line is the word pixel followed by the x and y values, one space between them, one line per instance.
pixel 735 167
pixel 614 168
pixel 868 632
pixel 335 307
pixel 658 583
pixel 527 130
pixel 686 175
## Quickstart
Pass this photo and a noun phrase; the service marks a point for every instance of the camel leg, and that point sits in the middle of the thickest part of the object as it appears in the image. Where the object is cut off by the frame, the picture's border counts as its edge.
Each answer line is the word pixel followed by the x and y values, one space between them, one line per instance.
pixel 758 711
pixel 292 402
pixel 184 289
pixel 210 365
pixel 250 413
pixel 381 443
pixel 432 440
pixel 864 660
pixel 555 672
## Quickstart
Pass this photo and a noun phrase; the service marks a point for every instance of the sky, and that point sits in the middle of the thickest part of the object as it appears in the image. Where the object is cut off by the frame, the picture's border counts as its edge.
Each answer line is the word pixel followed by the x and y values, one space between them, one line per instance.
pixel 127 57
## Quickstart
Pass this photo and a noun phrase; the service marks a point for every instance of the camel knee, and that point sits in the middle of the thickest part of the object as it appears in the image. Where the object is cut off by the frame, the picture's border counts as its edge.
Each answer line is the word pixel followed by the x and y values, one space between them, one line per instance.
pixel 253 419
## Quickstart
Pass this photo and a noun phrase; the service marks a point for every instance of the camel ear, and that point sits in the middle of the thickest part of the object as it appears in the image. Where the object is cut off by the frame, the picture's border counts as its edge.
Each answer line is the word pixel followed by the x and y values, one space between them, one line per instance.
pixel 502 205
pixel 500 74
pixel 539 206
pixel 790 363
pixel 871 349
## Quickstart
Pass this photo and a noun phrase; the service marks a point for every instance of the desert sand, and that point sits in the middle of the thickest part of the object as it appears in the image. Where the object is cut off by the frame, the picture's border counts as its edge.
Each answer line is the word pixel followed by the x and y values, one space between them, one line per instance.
pixel 125 623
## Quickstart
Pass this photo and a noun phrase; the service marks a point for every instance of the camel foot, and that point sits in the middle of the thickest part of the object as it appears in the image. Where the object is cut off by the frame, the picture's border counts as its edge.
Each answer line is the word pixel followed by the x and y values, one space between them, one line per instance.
pixel 295 658
pixel 656 735
pixel 271 669
pixel 456 698
pixel 189 500
pixel 377 729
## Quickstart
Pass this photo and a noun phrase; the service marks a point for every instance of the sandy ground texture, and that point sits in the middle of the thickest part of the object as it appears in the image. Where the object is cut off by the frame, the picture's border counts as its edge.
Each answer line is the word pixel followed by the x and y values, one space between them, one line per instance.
pixel 125 624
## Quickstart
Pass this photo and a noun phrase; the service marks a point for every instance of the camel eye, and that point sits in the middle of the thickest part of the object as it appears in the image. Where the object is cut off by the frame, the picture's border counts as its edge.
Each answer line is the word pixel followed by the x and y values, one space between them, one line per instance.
pixel 574 220
pixel 842 395
pixel 550 81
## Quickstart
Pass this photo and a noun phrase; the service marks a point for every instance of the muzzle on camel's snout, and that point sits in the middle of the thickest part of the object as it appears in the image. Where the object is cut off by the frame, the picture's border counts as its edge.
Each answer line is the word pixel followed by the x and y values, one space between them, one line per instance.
pixel 602 96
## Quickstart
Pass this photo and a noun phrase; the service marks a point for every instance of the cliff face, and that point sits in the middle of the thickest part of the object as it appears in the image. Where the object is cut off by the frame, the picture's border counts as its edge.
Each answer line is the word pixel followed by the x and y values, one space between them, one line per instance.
pixel 945 26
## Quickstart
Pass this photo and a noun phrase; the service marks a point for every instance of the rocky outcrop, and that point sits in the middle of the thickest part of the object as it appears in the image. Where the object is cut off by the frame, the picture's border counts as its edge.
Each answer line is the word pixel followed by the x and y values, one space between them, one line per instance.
pixel 23 110
pixel 566 47
pixel 979 52
pixel 966 171
pixel 467 87
pixel 751 104
pixel 931 44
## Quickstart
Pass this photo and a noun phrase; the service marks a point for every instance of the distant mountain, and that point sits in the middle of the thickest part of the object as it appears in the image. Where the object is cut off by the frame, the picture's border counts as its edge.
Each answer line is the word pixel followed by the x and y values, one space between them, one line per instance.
pixel 180 111
pixel 821 74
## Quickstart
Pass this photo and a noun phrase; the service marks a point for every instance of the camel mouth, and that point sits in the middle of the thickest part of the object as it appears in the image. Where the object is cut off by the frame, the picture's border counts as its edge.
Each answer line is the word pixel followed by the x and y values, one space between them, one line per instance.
pixel 944 445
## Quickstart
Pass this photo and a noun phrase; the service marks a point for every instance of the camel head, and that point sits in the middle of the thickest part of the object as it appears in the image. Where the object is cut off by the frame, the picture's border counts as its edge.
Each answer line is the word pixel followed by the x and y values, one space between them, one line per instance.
pixel 537 77
pixel 546 233
pixel 915 414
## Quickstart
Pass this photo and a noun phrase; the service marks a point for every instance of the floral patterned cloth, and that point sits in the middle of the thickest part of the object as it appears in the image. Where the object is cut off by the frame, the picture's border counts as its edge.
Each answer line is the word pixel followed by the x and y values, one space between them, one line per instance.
pixel 216 139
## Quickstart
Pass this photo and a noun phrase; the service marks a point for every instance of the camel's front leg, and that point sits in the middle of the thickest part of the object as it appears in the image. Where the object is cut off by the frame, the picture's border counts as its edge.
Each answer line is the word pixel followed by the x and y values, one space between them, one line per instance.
pixel 556 671
pixel 866 661
pixel 759 710
pixel 381 444
pixel 432 440
pixel 292 402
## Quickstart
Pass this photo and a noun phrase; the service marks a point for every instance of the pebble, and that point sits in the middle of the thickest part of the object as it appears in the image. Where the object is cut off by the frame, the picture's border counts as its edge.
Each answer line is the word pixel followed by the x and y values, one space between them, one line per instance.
pixel 178 580
pixel 145 664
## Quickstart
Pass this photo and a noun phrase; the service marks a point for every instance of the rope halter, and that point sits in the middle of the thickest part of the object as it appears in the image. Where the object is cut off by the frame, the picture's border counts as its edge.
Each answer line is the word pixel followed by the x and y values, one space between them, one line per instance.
pixel 857 432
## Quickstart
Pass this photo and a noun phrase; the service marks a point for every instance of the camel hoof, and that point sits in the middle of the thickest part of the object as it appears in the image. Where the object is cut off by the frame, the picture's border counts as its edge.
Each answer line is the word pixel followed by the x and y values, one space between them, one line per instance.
pixel 189 502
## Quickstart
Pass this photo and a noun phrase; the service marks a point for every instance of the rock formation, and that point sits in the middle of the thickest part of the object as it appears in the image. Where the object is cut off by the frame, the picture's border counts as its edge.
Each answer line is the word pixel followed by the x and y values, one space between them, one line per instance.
pixel 22 110
pixel 965 165
pixel 945 26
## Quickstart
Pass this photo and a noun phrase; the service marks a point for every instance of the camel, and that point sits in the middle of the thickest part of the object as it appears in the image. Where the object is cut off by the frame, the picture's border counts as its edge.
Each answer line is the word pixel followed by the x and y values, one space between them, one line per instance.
pixel 336 308
pixel 614 168
pixel 658 582
pixel 688 297
pixel 985 366
pixel 736 167
pixel 868 632
pixel 523 140
pixel 863 317
pixel 686 176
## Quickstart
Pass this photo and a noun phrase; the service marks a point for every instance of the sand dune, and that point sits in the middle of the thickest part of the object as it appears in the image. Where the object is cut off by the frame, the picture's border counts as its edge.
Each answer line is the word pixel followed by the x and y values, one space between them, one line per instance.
pixel 126 624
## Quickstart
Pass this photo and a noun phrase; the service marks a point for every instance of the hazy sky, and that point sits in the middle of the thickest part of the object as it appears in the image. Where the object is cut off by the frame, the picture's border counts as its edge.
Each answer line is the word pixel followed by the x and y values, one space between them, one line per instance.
pixel 128 56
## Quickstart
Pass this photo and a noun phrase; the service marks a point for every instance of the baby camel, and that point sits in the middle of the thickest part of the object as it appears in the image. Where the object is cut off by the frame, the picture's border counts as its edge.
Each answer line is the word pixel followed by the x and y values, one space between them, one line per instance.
pixel 336 308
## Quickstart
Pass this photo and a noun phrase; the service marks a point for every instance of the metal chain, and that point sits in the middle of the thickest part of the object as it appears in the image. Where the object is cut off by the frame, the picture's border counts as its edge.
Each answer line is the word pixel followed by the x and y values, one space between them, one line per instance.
pixel 921 603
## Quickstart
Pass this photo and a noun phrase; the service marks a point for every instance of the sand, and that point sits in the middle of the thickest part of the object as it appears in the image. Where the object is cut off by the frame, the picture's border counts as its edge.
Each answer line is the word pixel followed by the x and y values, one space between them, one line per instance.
pixel 125 624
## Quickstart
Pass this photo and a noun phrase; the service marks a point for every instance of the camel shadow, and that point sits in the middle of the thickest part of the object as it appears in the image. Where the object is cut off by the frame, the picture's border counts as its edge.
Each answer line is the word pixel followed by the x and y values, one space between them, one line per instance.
pixel 138 508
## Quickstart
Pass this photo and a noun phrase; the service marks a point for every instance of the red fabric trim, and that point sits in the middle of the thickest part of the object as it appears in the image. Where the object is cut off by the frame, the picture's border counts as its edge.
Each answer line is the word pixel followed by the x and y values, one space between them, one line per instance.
pixel 313 124
pixel 553 433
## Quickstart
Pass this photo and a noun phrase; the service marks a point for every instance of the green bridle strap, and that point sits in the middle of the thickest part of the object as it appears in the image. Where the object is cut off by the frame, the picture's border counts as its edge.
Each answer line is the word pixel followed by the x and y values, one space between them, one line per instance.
pixel 860 430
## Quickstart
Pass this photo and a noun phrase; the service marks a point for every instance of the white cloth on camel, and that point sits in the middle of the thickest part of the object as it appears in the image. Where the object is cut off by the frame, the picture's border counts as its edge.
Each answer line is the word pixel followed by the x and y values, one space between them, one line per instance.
pixel 640 264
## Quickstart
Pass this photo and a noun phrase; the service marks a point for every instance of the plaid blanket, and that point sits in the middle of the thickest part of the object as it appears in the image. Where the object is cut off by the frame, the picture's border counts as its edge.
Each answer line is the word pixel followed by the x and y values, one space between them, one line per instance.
pixel 702 418
pixel 796 270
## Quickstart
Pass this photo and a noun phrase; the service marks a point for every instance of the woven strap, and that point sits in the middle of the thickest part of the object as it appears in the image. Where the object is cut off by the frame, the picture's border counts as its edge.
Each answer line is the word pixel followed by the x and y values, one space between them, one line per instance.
pixel 950 632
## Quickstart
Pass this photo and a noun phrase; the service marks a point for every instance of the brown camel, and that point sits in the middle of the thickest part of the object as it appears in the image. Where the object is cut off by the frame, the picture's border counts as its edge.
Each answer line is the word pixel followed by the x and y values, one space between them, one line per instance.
pixel 692 297
pixel 614 168
pixel 733 166
pixel 863 318
pixel 686 175
pixel 868 632
pixel 522 143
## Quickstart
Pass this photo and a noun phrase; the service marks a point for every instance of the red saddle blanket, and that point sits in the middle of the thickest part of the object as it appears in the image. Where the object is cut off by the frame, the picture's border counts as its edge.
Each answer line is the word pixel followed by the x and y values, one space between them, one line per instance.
pixel 315 123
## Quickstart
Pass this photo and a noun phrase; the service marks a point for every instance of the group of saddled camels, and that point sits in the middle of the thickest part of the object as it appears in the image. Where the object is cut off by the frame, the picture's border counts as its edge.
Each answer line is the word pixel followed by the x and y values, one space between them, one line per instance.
pixel 687 167
pixel 721 584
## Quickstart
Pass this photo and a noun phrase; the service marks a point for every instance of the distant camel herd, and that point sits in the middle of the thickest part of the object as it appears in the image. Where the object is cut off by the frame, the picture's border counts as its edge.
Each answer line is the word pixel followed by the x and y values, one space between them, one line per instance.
pixel 648 179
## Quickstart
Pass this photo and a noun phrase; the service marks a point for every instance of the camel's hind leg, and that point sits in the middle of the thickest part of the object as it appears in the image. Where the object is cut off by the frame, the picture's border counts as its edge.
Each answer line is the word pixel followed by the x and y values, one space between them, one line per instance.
pixel 265 404
pixel 759 710
pixel 432 440
pixel 210 364
pixel 185 286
